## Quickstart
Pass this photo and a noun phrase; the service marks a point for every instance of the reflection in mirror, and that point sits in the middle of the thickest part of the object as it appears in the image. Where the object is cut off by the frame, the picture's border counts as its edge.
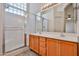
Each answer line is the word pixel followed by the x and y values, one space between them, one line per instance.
pixel 60 18
pixel 41 23
pixel 45 22
pixel 38 24
pixel 70 16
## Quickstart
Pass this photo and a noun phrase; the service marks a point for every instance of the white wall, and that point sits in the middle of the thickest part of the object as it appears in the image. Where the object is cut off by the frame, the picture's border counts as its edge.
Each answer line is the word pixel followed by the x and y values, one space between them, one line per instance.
pixel 30 26
pixel 78 19
pixel 1 26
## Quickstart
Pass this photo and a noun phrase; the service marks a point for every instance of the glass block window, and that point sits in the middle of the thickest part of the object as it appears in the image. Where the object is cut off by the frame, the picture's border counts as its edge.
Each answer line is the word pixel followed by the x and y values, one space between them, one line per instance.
pixel 16 8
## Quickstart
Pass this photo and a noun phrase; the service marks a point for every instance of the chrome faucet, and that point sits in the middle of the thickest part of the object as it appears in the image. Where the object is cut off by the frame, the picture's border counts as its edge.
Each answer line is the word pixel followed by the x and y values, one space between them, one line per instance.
pixel 62 35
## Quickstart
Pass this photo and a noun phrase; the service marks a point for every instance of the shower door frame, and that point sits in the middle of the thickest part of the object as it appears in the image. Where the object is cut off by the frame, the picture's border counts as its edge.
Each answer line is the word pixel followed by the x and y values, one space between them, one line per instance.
pixel 3 44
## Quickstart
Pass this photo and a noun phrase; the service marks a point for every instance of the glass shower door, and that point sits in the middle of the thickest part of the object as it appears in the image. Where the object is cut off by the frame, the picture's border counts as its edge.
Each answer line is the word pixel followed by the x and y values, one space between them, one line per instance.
pixel 14 32
pixel 14 26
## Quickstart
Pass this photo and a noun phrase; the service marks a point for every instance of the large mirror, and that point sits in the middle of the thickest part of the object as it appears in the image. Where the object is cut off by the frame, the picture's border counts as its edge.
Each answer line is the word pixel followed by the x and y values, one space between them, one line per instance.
pixel 70 18
pixel 59 18
pixel 41 23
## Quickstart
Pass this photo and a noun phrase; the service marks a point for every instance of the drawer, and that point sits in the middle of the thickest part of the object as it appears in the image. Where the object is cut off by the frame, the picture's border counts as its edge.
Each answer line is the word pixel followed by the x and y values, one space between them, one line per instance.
pixel 42 51
pixel 42 43
pixel 42 39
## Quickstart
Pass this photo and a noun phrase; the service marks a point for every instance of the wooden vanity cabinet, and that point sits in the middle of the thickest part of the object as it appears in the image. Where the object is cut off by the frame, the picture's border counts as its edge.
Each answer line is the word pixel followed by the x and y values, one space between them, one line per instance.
pixel 34 43
pixel 67 48
pixel 78 49
pixel 61 48
pixel 31 42
pixel 52 47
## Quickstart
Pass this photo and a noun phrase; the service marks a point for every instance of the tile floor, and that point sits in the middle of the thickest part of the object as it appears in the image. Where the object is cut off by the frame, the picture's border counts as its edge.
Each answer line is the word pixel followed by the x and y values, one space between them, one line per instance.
pixel 27 53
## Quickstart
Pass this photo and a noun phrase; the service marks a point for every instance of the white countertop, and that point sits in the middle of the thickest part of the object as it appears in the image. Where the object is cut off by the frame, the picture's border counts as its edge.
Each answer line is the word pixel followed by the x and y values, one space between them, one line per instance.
pixel 61 36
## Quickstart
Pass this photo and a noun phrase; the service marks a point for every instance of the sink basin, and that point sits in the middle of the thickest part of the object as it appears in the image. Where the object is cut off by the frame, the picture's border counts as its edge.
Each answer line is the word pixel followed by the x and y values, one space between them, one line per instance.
pixel 62 35
pixel 78 39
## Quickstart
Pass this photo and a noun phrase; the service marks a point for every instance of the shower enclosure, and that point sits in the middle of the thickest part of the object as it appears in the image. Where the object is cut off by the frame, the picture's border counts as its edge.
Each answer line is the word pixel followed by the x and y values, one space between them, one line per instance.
pixel 14 26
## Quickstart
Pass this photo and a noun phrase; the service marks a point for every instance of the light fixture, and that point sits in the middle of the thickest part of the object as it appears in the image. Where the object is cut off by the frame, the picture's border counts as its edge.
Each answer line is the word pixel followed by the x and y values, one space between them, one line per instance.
pixel 69 17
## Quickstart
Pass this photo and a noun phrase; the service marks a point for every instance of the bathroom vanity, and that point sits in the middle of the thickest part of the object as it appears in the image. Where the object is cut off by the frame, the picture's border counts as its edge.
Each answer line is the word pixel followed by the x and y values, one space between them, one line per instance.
pixel 61 18
pixel 54 44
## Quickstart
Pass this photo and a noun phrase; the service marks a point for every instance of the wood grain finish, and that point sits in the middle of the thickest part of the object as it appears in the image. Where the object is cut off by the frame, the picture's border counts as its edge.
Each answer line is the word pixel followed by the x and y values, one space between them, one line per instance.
pixel 68 48
pixel 42 51
pixel 34 43
pixel 42 41
pixel 35 39
pixel 52 47
pixel 42 46
pixel 31 42
pixel 78 49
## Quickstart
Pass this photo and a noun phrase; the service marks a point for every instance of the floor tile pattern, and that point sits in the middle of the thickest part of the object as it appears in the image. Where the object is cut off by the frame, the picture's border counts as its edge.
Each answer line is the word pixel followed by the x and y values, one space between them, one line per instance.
pixel 27 53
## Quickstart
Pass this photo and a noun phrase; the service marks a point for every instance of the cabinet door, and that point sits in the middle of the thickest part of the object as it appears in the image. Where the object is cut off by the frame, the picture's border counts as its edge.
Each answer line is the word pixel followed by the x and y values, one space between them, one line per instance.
pixel 31 43
pixel 42 51
pixel 68 48
pixel 42 42
pixel 35 43
pixel 52 47
pixel 78 49
pixel 42 46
